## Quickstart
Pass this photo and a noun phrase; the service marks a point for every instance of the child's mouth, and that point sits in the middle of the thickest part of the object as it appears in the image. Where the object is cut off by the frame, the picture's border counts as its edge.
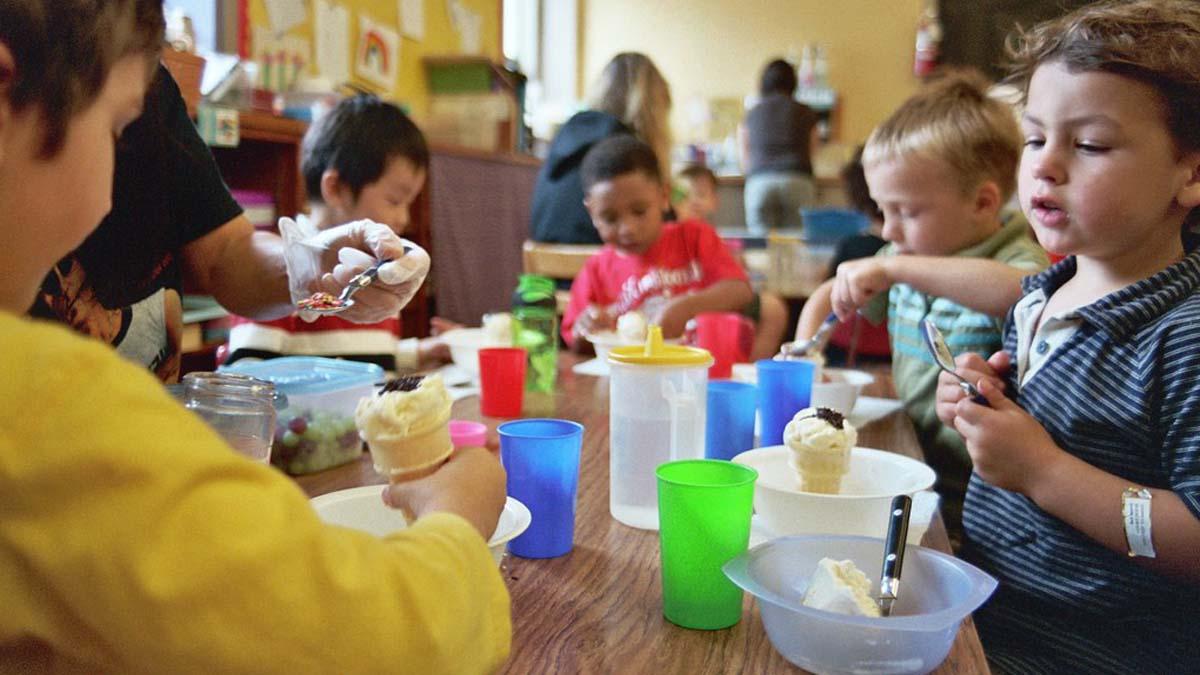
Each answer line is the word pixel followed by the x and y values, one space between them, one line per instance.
pixel 1048 212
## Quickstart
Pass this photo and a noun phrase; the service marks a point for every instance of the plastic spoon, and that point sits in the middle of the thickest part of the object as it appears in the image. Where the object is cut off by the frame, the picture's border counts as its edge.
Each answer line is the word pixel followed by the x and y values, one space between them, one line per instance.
pixel 813 345
pixel 945 360
pixel 324 303
pixel 893 553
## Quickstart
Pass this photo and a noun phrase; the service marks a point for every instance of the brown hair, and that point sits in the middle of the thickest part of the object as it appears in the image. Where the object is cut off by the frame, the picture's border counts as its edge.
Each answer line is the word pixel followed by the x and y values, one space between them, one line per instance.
pixel 1154 42
pixel 698 172
pixel 631 89
pixel 64 50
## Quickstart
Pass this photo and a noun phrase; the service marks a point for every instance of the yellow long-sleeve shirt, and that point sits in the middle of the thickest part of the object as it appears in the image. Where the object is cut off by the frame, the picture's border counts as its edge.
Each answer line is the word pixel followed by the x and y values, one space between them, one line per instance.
pixel 133 540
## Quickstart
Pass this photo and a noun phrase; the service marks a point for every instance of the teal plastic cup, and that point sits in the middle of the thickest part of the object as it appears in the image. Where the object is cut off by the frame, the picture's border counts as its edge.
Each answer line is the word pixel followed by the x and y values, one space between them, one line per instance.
pixel 704 508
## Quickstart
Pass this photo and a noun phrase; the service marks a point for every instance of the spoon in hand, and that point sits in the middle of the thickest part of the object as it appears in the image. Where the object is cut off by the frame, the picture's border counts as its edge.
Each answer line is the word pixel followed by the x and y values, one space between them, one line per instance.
pixel 945 360
pixel 813 345
pixel 326 303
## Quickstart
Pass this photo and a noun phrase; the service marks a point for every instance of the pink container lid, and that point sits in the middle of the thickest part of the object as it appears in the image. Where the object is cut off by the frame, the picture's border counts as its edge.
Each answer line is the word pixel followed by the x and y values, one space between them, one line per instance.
pixel 464 433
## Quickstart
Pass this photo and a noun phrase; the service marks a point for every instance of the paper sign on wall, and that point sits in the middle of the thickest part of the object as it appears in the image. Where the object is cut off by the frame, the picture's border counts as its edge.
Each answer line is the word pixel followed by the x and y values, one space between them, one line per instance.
pixel 378 52
pixel 286 14
pixel 332 27
pixel 412 19
pixel 468 24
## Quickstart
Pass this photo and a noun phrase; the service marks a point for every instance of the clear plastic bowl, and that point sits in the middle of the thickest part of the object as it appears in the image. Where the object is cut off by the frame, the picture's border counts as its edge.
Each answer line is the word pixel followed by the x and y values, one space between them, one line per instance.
pixel 937 591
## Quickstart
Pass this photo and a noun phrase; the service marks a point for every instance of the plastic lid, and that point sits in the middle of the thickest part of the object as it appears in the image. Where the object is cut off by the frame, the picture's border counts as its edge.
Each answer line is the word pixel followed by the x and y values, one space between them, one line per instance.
pixel 655 353
pixel 299 375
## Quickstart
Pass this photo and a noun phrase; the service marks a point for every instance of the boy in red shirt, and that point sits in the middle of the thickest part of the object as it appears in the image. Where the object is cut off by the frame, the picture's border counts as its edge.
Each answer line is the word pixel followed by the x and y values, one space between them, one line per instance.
pixel 669 271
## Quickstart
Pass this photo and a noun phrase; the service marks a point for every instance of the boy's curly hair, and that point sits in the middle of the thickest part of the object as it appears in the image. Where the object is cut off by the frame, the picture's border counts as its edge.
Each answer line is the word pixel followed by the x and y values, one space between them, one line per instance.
pixel 952 119
pixel 1156 42
pixel 64 50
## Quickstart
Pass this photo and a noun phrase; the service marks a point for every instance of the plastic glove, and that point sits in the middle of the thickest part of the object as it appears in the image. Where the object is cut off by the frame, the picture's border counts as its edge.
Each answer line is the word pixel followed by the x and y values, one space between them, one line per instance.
pixel 327 260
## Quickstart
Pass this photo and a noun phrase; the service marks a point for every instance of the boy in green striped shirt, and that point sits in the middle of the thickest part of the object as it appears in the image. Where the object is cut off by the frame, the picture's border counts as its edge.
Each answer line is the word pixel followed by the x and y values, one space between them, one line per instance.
pixel 941 169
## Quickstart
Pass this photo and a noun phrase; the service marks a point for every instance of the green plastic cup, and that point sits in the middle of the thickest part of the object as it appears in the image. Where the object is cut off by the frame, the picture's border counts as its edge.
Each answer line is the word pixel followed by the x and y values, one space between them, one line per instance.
pixel 704 508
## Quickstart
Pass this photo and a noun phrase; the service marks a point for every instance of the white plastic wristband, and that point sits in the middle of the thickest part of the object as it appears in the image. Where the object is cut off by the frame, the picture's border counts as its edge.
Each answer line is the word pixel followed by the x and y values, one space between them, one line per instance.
pixel 1135 507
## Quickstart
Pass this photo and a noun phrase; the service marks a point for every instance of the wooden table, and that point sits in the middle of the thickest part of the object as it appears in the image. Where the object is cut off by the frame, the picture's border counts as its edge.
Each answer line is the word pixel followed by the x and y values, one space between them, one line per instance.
pixel 599 608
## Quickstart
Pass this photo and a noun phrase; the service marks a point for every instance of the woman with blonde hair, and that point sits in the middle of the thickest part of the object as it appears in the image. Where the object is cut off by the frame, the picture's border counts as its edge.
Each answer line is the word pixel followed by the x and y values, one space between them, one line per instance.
pixel 630 97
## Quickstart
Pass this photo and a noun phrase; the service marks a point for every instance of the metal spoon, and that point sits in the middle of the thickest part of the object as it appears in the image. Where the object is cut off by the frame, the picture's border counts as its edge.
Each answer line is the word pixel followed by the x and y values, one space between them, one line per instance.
pixel 893 553
pixel 345 300
pixel 945 360
pixel 813 345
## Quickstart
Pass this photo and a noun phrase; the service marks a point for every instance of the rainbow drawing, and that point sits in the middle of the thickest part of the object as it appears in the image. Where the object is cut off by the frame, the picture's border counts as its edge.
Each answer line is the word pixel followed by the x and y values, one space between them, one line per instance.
pixel 375 52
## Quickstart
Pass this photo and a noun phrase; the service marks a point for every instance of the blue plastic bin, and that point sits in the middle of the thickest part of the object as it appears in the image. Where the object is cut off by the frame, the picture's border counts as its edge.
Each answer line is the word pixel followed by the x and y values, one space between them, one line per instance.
pixel 832 224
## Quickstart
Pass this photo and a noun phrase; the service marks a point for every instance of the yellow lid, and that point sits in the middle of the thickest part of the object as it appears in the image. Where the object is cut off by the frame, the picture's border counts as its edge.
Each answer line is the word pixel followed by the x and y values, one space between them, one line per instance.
pixel 655 353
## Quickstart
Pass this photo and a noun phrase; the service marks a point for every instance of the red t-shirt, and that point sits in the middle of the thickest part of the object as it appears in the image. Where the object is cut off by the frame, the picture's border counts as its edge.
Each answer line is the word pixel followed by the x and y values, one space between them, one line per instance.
pixel 687 257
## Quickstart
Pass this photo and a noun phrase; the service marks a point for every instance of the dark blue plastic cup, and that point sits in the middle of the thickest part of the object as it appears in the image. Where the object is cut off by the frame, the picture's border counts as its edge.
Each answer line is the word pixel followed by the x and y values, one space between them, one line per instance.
pixel 729 428
pixel 541 457
pixel 784 389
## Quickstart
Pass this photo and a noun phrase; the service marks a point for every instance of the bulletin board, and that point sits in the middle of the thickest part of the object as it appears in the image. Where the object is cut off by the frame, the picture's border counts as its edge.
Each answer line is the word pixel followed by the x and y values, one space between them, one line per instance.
pixel 376 44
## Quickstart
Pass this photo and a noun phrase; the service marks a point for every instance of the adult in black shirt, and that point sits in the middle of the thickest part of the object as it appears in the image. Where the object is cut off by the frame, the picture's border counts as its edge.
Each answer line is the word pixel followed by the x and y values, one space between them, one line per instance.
pixel 174 224
pixel 631 97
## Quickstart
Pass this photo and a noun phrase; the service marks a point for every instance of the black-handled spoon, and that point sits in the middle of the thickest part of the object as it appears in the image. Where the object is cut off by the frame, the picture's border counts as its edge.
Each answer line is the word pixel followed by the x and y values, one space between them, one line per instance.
pixel 893 552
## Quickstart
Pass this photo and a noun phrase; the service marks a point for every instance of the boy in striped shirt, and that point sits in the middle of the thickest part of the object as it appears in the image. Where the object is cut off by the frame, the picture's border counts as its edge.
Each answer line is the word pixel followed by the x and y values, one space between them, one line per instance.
pixel 1085 501
pixel 940 168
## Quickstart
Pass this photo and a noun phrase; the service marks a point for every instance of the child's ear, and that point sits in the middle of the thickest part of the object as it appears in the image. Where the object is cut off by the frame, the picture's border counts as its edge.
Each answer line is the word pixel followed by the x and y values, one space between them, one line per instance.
pixel 987 198
pixel 1189 194
pixel 8 73
pixel 334 193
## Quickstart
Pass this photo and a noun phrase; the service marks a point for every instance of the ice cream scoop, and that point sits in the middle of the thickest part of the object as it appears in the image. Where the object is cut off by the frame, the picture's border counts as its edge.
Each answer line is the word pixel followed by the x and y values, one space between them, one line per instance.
pixel 820 440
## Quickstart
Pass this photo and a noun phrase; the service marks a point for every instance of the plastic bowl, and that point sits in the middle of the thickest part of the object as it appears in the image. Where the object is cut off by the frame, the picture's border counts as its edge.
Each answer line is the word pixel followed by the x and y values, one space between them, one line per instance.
pixel 465 344
pixel 840 389
pixel 937 592
pixel 362 509
pixel 860 508
pixel 604 341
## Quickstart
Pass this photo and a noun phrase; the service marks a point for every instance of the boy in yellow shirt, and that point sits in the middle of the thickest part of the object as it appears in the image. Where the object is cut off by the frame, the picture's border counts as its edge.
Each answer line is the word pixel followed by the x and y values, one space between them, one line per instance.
pixel 131 538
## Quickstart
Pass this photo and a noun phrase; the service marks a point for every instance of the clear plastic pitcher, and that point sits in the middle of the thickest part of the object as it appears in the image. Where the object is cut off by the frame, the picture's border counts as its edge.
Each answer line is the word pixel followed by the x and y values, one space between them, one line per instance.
pixel 657 397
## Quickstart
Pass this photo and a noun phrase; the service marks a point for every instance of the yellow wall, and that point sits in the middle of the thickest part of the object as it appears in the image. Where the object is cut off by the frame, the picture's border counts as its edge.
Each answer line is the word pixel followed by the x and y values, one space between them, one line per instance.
pixel 717 48
pixel 440 40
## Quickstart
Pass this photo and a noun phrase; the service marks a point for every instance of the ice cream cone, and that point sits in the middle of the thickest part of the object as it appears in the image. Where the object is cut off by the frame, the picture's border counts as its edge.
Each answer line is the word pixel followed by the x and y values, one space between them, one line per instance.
pixel 401 458
pixel 821 471
pixel 820 440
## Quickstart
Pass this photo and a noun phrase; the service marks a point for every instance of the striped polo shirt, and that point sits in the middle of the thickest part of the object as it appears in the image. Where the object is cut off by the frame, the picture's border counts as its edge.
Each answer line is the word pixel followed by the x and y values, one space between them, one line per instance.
pixel 1123 394
pixel 965 330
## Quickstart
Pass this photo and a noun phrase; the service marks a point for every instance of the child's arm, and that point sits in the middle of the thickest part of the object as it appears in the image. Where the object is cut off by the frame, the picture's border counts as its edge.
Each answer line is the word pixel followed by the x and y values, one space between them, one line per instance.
pixel 981 284
pixel 727 295
pixel 1012 451
pixel 815 310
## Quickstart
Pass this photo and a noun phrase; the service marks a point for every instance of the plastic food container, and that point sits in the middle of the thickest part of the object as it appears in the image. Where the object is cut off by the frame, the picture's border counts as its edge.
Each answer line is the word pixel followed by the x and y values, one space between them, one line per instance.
pixel 937 592
pixel 316 430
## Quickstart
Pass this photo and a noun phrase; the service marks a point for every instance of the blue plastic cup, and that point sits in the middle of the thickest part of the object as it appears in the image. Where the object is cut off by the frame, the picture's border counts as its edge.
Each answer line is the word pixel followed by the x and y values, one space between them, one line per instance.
pixel 541 457
pixel 784 389
pixel 729 428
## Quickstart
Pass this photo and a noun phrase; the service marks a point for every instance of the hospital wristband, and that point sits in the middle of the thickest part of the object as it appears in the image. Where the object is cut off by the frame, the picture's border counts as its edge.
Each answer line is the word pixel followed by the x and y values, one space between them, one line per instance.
pixel 1135 508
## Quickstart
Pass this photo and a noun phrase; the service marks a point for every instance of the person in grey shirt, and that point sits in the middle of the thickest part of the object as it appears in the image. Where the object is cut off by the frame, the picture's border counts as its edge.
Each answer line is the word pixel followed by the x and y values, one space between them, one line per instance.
pixel 777 138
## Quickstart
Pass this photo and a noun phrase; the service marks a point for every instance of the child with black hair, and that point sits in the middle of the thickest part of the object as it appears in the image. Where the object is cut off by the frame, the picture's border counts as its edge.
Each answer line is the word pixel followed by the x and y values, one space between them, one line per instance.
pixel 365 159
pixel 694 195
pixel 670 271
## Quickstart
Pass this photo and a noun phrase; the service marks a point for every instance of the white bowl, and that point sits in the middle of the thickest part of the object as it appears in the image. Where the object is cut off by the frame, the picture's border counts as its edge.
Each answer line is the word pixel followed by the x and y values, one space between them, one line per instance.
pixel 465 344
pixel 362 509
pixel 861 507
pixel 937 592
pixel 604 341
pixel 840 389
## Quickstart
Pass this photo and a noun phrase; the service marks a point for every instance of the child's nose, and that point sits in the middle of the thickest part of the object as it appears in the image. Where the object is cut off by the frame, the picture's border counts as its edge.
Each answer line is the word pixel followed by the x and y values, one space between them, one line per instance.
pixel 1047 165
pixel 891 229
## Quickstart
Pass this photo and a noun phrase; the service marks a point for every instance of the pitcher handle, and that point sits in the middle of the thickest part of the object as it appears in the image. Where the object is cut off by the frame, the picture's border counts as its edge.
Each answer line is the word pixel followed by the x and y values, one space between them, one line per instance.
pixel 676 399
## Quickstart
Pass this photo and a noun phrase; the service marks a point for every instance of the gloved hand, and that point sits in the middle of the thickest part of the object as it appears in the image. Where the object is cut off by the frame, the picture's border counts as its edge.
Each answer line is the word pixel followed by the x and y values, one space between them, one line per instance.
pixel 326 260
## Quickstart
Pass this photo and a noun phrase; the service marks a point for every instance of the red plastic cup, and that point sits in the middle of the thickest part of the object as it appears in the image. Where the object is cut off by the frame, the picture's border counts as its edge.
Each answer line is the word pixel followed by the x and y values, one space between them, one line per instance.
pixel 468 434
pixel 728 336
pixel 502 381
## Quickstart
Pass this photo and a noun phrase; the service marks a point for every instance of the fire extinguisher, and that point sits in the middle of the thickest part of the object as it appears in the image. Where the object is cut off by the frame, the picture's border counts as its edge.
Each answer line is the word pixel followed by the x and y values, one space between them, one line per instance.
pixel 929 40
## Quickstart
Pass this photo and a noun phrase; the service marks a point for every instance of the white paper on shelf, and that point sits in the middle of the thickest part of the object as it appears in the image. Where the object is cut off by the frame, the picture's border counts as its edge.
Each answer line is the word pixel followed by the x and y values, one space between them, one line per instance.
pixel 332 29
pixel 412 19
